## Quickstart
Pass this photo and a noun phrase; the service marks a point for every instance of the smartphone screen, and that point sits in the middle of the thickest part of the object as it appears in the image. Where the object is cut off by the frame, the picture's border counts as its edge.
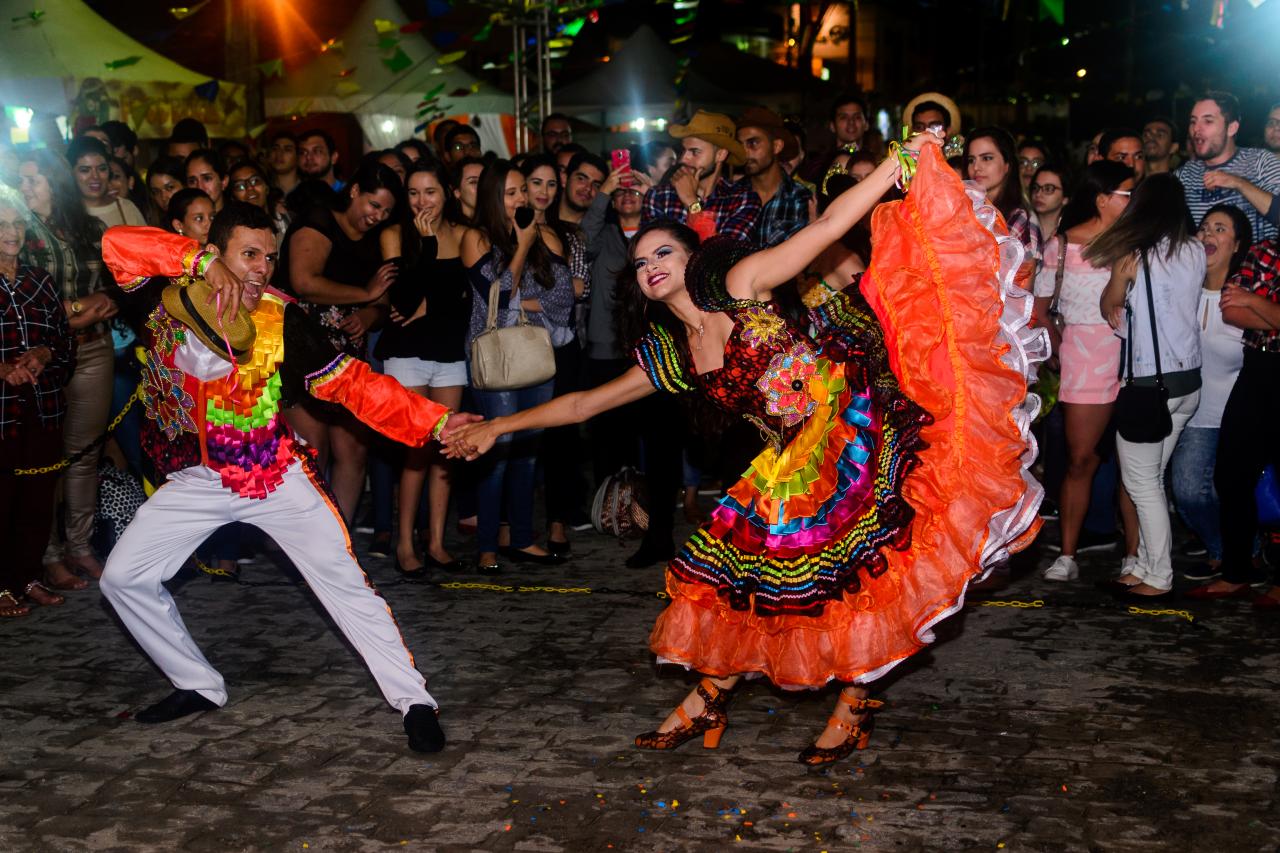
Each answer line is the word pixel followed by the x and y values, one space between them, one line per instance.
pixel 620 158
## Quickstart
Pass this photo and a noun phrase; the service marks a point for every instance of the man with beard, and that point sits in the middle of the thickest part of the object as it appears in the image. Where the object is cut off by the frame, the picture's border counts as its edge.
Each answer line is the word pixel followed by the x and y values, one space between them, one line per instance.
pixel 217 375
pixel 1271 132
pixel 1124 146
pixel 1159 145
pixel 1222 172
pixel 318 158
pixel 785 204
pixel 584 175
pixel 556 131
pixel 459 143
pixel 698 194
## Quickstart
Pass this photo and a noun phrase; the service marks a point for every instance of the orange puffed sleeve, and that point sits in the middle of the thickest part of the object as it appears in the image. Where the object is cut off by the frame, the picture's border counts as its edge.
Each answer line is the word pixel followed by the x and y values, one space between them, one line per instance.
pixel 134 253
pixel 377 400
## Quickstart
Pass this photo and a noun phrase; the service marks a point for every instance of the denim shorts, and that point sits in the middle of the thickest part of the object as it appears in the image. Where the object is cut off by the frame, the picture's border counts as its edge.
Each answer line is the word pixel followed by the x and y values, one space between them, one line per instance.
pixel 417 372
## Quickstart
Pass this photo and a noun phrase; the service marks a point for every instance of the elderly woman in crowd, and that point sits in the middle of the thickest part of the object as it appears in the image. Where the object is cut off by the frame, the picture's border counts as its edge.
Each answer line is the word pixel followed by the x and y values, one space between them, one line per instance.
pixel 36 354
pixel 63 239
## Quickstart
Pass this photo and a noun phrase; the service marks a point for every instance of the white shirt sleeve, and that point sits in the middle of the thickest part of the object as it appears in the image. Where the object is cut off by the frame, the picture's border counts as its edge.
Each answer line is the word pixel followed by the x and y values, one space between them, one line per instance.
pixel 193 358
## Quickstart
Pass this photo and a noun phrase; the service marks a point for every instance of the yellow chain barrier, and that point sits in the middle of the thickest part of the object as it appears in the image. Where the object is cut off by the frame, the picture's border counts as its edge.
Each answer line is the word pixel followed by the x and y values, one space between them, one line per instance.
pixel 1139 611
pixel 58 466
pixel 1012 603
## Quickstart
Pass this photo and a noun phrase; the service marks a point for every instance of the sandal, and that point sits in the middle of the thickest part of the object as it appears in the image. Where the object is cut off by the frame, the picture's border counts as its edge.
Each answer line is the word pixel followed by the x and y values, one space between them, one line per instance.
pixel 10 606
pixel 711 723
pixel 42 595
pixel 856 734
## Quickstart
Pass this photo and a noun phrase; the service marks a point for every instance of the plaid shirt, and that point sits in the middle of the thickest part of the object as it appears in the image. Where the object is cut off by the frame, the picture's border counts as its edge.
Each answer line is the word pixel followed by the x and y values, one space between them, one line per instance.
pixel 31 316
pixel 1260 272
pixel 75 267
pixel 1027 230
pixel 734 206
pixel 785 214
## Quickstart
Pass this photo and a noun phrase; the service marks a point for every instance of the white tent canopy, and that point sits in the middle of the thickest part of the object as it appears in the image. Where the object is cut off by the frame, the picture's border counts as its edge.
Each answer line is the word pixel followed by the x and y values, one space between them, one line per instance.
pixel 43 61
pixel 387 102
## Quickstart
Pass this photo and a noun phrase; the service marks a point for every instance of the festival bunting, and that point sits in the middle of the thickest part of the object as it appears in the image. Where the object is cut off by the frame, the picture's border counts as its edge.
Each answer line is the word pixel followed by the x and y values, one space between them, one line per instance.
pixel 123 63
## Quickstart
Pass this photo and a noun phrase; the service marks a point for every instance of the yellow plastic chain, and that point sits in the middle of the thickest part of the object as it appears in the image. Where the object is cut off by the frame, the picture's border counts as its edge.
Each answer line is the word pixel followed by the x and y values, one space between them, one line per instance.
pixel 58 466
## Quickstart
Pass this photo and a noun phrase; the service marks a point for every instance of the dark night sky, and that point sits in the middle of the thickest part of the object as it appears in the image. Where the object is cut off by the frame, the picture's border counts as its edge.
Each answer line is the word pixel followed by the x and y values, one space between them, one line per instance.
pixel 1153 47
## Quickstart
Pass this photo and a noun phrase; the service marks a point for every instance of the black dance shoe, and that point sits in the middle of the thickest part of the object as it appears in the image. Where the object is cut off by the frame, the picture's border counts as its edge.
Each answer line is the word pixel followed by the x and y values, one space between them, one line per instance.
pixel 422 725
pixel 177 704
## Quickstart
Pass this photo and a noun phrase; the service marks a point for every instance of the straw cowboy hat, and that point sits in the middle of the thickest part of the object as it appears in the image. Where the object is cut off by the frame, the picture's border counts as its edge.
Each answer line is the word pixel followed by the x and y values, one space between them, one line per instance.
pixel 937 98
pixel 192 304
pixel 716 128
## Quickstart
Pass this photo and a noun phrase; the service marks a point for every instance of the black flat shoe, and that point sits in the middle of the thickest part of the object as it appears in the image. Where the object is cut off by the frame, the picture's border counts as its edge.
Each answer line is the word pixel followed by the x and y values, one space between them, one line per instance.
pixel 410 574
pixel 525 557
pixel 559 549
pixel 422 725
pixel 177 704
pixel 453 566
pixel 489 568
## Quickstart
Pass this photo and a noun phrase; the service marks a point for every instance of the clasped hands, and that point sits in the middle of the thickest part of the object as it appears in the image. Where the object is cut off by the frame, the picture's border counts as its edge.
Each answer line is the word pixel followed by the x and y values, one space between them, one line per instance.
pixel 467 436
pixel 26 369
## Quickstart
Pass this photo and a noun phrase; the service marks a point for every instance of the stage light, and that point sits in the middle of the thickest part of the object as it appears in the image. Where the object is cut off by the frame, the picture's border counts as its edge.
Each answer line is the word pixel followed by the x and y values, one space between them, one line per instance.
pixel 1080 72
pixel 638 124
pixel 388 126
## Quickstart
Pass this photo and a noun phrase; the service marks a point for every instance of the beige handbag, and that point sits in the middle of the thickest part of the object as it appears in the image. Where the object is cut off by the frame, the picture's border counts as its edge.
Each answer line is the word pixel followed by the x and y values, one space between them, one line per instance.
pixel 518 356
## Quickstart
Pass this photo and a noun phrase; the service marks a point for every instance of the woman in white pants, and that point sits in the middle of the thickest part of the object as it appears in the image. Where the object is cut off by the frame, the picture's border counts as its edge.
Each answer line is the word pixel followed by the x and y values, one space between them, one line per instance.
pixel 1157 267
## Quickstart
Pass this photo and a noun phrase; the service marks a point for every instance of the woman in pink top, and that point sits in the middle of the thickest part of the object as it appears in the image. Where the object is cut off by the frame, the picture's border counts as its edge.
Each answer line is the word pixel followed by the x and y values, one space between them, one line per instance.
pixel 1088 350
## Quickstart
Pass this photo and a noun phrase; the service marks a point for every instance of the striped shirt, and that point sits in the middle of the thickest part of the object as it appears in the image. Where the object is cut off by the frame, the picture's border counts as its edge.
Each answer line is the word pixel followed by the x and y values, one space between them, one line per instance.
pixel 1258 166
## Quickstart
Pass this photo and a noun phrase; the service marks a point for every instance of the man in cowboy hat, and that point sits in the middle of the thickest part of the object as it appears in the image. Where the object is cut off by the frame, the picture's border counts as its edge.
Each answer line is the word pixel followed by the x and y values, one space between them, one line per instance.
pixel 226 352
pixel 699 194
pixel 767 144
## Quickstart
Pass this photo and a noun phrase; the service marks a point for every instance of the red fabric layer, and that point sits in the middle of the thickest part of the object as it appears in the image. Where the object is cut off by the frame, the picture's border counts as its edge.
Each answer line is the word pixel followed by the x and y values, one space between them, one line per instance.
pixel 381 402
pixel 132 252
pixel 933 285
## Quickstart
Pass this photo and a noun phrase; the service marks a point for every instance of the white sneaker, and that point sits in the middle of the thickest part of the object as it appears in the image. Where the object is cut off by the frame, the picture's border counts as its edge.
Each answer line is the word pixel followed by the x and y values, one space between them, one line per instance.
pixel 1063 569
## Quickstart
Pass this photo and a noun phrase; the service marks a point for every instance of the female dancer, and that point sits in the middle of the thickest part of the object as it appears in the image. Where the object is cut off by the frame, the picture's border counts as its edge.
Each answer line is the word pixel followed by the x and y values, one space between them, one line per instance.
pixel 812 568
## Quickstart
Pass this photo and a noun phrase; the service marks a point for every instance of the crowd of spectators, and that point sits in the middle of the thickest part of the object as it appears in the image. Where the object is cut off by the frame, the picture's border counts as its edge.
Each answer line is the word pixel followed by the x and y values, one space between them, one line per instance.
pixel 399 254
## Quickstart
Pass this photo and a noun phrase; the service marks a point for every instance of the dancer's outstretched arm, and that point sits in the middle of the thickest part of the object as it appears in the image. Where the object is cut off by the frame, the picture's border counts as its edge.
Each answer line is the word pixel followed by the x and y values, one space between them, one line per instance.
pixel 756 276
pixel 472 440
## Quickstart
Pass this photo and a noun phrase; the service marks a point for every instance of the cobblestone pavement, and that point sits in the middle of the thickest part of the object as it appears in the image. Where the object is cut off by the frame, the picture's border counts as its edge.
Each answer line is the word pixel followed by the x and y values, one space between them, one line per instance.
pixel 1069 726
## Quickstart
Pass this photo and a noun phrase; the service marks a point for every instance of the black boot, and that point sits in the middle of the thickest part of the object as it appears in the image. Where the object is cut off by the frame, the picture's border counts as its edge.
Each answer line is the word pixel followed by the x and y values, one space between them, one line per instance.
pixel 177 704
pixel 422 725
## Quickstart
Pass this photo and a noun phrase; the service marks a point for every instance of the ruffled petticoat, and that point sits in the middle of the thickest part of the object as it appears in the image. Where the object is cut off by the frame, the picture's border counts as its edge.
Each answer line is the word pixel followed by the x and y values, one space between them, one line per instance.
pixel 956 329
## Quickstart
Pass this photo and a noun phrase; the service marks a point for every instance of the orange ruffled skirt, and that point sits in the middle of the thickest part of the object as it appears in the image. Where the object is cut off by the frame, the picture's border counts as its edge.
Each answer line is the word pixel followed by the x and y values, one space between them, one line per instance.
pixel 941 283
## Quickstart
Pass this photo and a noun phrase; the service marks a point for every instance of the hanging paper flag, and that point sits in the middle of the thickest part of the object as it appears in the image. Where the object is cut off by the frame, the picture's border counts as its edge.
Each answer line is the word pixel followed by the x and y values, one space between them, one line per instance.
pixel 271 68
pixel 436 70
pixel 208 91
pixel 183 12
pixel 258 131
pixel 301 108
pixel 412 27
pixel 487 29
pixel 383 26
pixel 398 62
pixel 574 27
pixel 437 90
pixel 123 63
pixel 33 16
pixel 1218 16
pixel 388 43
pixel 346 88
pixel 450 58
pixel 437 8
pixel 1054 9
pixel 331 44
pixel 347 72
pixel 475 87
pixel 560 44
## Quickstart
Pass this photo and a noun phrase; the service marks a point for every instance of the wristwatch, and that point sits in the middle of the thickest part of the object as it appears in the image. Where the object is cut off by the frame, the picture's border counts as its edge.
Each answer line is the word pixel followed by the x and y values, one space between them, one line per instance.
pixel 77 307
pixel 696 207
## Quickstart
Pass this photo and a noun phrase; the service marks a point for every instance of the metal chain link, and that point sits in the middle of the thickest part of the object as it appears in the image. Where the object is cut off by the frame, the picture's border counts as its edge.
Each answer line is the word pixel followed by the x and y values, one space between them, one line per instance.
pixel 88 448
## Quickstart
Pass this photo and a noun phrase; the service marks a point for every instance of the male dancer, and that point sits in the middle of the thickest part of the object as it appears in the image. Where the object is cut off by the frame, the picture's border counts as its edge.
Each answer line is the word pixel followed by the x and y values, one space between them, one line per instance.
pixel 215 376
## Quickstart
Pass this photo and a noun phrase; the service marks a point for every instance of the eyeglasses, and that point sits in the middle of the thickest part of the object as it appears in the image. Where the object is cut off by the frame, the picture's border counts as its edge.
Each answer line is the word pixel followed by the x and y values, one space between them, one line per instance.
pixel 1125 193
pixel 1045 189
pixel 241 186
pixel 1030 162
pixel 15 225
pixel 1273 122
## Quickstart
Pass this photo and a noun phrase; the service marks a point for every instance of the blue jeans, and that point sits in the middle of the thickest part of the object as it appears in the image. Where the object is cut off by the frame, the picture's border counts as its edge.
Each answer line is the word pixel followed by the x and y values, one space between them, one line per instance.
pixel 1193 491
pixel 506 475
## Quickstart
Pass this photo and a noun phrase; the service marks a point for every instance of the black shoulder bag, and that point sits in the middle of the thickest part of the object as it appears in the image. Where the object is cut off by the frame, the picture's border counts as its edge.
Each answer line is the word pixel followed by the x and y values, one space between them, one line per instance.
pixel 1142 411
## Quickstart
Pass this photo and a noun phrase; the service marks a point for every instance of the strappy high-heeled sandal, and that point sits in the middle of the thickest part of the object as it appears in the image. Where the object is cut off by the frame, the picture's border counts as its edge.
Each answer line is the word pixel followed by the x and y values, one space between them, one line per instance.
pixel 857 734
pixel 710 723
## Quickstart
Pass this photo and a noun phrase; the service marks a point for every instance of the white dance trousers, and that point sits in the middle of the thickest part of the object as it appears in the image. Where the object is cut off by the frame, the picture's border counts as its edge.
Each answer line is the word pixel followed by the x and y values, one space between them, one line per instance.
pixel 306 525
